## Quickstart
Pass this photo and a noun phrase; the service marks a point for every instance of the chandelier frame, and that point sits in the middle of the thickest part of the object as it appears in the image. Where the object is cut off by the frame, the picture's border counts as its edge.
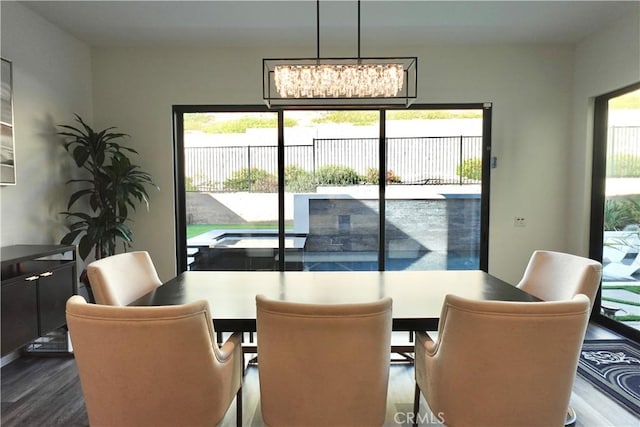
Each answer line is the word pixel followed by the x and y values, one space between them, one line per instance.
pixel 404 97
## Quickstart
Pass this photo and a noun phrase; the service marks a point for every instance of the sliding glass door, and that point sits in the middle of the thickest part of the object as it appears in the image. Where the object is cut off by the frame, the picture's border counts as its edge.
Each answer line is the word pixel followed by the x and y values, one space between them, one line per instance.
pixel 433 189
pixel 616 207
pixel 230 190
pixel 331 160
pixel 332 190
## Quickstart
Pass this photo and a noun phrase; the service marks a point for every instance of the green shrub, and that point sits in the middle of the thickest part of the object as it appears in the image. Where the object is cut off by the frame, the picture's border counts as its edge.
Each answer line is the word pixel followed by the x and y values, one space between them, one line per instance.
pixel 366 118
pixel 198 183
pixel 356 118
pixel 470 169
pixel 297 179
pixel 198 121
pixel 189 184
pixel 628 101
pixel 372 176
pixel 433 114
pixel 241 125
pixel 337 175
pixel 623 166
pixel 206 122
pixel 256 180
pixel 392 178
pixel 618 213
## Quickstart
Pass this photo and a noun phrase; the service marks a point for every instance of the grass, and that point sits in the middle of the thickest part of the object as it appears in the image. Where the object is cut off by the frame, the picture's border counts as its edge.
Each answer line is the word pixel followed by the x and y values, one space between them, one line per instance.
pixel 629 101
pixel 206 122
pixel 624 317
pixel 631 288
pixel 364 118
pixel 621 301
pixel 628 318
pixel 198 229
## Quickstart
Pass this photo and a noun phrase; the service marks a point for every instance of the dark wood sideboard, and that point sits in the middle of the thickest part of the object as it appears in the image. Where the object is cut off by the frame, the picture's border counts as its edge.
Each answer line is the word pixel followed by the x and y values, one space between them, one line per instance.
pixel 37 280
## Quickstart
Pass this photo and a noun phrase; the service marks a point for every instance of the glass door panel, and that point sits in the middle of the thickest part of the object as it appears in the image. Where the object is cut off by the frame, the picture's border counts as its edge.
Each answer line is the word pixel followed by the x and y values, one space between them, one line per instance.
pixel 331 159
pixel 433 189
pixel 231 190
pixel 620 298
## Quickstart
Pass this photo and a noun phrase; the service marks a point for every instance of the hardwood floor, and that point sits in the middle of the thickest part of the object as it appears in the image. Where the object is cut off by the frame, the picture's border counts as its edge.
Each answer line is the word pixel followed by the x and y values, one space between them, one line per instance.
pixel 46 392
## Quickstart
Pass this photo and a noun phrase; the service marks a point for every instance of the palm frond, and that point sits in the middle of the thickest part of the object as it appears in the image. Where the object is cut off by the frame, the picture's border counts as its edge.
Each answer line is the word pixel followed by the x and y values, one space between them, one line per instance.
pixel 116 187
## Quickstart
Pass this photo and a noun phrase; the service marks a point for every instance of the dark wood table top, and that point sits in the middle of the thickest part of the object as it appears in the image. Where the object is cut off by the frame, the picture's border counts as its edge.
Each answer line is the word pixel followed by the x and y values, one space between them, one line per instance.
pixel 417 295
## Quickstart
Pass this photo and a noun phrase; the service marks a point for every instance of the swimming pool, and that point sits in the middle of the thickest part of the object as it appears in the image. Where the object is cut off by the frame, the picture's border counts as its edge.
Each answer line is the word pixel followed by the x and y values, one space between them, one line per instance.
pixel 244 249
pixel 427 261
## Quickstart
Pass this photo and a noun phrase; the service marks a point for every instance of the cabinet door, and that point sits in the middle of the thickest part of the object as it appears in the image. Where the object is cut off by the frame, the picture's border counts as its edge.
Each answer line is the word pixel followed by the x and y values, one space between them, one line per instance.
pixel 19 313
pixel 54 289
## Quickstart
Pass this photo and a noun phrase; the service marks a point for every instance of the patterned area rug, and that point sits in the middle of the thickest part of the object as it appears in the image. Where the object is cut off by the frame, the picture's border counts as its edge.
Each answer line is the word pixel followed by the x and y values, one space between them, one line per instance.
pixel 613 366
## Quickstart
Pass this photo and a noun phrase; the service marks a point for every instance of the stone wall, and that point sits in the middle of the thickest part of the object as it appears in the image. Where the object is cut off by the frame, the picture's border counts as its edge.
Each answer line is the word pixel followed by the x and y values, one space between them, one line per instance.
pixel 448 224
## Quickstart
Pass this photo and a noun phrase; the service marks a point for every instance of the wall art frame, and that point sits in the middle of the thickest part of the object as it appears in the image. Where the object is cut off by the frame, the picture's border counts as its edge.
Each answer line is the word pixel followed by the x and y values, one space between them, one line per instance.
pixel 7 140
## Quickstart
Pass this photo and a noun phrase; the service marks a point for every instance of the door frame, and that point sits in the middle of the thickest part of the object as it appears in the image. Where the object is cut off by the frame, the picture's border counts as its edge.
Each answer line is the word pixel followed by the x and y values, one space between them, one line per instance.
pixel 598 197
pixel 178 112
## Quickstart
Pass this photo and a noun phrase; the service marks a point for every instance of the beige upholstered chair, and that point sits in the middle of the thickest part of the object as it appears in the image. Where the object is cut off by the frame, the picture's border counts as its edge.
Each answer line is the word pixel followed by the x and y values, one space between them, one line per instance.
pixel 153 366
pixel 500 363
pixel 123 278
pixel 555 276
pixel 323 365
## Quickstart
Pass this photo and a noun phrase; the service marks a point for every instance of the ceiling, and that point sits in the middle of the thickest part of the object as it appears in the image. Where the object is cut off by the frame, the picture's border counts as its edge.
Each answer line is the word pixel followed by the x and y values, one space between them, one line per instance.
pixel 293 23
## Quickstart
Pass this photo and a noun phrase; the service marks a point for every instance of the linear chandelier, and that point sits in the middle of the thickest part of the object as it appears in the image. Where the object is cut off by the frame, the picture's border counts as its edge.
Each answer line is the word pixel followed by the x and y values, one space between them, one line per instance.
pixel 339 81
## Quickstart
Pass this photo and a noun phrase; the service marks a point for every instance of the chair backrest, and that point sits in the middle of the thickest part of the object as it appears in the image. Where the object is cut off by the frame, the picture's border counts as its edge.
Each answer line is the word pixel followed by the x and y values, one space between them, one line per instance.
pixel 323 364
pixel 122 278
pixel 154 366
pixel 555 276
pixel 505 363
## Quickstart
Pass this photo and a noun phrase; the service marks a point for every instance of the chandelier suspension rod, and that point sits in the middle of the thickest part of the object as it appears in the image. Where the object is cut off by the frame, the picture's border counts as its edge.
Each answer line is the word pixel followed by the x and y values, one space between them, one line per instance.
pixel 358 31
pixel 318 29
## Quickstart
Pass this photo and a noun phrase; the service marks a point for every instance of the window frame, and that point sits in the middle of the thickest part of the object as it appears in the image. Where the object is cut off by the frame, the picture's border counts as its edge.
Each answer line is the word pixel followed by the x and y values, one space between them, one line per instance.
pixel 598 197
pixel 178 112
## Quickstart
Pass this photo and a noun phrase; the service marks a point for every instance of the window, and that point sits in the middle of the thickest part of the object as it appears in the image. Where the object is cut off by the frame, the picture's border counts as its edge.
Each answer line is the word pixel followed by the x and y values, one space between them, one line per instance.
pixel 323 190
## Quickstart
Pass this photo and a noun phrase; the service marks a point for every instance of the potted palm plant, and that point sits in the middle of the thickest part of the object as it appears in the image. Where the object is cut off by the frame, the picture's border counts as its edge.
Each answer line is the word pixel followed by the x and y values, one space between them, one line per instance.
pixel 112 185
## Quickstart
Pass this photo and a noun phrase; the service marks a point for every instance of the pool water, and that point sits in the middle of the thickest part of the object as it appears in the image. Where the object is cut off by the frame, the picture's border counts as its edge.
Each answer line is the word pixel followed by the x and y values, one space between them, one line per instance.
pixel 428 261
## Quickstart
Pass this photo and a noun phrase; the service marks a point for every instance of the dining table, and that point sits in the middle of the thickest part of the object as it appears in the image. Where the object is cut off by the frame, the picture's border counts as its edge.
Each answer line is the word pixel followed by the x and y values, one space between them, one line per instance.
pixel 417 295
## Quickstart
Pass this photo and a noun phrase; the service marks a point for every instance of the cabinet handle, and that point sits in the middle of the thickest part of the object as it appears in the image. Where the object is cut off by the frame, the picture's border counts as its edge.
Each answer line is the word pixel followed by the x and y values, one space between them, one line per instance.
pixel 46 274
pixel 31 278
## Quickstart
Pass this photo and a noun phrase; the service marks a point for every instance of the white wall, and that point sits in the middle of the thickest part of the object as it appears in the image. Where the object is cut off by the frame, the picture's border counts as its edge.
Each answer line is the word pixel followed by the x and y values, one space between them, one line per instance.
pixel 606 61
pixel 541 97
pixel 530 87
pixel 52 80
